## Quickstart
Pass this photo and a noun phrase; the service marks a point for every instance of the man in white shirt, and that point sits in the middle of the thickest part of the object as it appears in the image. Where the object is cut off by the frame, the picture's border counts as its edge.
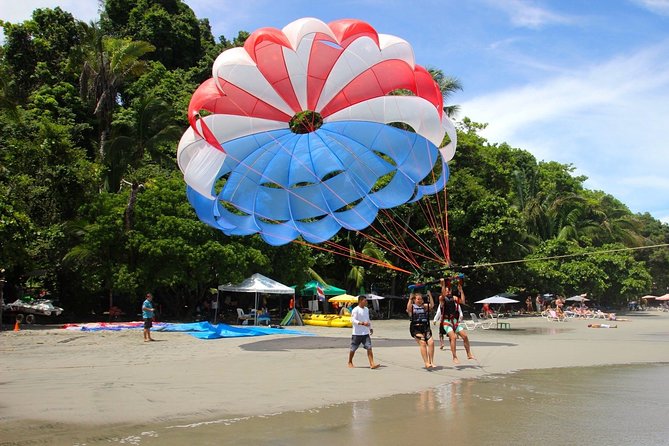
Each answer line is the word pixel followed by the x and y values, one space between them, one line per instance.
pixel 362 329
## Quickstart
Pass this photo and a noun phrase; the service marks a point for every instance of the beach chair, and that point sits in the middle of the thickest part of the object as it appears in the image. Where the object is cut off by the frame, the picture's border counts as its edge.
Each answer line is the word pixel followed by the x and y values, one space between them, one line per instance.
pixel 242 318
pixel 553 316
pixel 476 322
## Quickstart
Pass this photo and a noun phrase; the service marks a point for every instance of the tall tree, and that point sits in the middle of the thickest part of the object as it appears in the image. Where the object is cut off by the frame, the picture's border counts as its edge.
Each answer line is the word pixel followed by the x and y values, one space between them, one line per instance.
pixel 109 63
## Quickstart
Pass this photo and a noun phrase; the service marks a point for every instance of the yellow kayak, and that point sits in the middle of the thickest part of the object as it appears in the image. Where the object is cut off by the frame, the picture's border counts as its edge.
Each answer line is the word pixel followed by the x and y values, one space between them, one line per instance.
pixel 327 320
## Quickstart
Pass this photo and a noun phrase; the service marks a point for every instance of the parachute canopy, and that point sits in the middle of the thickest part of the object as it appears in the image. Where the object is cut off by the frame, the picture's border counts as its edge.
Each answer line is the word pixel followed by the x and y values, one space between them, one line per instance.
pixel 290 136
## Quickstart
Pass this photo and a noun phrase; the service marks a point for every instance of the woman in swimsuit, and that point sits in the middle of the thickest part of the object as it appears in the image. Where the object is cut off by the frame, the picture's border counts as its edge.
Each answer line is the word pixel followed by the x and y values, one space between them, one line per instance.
pixel 450 318
pixel 419 312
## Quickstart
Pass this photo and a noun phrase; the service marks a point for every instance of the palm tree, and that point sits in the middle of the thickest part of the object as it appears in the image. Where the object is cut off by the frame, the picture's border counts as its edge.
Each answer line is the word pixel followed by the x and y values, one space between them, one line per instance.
pixel 108 63
pixel 448 85
pixel 151 130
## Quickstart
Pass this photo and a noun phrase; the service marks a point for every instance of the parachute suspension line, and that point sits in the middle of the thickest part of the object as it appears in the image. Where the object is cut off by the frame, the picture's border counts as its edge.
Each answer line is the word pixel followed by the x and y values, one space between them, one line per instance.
pixel 344 254
pixel 408 230
pixel 447 235
pixel 426 207
pixel 563 256
pixel 389 246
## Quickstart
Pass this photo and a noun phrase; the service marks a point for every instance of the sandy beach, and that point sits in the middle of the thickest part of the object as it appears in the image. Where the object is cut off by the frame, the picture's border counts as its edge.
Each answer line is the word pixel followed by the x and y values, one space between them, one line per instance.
pixel 55 379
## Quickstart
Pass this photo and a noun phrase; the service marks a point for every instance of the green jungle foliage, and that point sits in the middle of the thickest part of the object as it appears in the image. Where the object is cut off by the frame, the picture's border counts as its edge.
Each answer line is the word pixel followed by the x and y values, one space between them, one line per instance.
pixel 93 206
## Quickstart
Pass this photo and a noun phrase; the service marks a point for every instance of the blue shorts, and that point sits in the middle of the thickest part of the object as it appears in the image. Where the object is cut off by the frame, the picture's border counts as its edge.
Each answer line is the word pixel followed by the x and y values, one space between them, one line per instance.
pixel 365 340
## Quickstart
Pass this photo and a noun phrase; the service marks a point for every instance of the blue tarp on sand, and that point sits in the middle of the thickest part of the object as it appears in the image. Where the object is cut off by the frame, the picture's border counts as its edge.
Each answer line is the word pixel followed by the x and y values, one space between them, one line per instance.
pixel 200 330
pixel 205 330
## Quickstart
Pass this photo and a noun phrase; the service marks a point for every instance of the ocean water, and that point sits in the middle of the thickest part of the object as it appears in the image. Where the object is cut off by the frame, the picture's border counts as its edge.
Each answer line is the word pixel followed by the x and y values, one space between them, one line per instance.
pixel 606 405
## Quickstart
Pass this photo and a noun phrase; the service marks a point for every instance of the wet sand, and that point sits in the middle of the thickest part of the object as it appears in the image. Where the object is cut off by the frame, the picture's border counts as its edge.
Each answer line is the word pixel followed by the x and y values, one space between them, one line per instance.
pixel 58 384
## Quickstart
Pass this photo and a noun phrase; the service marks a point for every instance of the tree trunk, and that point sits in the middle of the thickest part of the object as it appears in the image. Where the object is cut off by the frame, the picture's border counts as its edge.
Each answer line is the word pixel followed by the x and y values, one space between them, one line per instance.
pixel 129 213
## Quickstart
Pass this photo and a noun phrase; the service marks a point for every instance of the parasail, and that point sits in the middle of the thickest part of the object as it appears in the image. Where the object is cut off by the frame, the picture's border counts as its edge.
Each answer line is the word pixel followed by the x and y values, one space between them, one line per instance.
pixel 290 136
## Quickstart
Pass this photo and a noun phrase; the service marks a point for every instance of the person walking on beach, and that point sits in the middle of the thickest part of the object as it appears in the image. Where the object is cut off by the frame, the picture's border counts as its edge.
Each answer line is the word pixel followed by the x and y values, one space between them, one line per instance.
pixel 419 327
pixel 450 319
pixel 147 315
pixel 537 301
pixel 362 329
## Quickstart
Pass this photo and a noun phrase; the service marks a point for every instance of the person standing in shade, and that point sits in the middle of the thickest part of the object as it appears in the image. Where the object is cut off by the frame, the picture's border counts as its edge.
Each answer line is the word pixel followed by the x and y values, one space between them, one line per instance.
pixel 147 315
pixel 362 329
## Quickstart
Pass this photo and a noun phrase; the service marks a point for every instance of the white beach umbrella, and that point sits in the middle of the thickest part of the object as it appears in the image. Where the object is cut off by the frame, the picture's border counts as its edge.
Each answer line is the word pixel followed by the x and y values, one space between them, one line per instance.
pixel 578 299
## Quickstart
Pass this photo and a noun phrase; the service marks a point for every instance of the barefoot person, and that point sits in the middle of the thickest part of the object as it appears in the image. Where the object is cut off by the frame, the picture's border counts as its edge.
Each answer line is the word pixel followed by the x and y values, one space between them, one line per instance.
pixel 419 327
pixel 362 329
pixel 147 315
pixel 450 318
pixel 437 320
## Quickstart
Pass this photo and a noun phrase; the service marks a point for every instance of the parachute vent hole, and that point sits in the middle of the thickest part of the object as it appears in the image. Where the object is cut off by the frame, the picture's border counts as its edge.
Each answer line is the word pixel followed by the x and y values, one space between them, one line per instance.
pixel 402 126
pixel 330 175
pixel 272 186
pixel 233 209
pixel 272 222
pixel 383 181
pixel 434 174
pixel 220 184
pixel 312 219
pixel 349 206
pixel 385 158
pixel 302 184
pixel 306 121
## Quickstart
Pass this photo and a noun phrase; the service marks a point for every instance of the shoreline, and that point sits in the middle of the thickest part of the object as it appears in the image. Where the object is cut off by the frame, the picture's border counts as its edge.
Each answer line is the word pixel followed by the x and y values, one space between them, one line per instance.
pixel 87 381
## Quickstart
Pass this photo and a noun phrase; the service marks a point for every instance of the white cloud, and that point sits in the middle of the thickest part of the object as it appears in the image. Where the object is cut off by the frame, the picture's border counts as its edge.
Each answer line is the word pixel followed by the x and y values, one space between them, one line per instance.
pixel 524 14
pixel 608 119
pixel 657 6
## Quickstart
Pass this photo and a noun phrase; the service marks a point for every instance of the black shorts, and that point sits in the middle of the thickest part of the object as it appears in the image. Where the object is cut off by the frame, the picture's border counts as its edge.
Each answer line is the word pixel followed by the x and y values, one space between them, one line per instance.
pixel 365 340
pixel 420 331
pixel 148 323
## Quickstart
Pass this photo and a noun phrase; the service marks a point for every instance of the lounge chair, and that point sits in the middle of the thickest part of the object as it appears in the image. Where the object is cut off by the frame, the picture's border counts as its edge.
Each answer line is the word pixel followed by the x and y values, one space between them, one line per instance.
pixel 476 322
pixel 242 318
pixel 553 316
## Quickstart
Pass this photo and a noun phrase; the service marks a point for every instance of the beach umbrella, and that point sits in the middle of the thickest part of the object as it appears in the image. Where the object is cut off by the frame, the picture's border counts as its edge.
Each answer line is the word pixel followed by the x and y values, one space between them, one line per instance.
pixel 578 299
pixel 497 299
pixel 371 296
pixel 343 299
pixel 663 297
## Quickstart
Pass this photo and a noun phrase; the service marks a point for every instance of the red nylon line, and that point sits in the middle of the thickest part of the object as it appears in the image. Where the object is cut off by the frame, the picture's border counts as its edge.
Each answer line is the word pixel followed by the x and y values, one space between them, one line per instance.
pixel 321 248
pixel 368 259
pixel 447 234
pixel 432 222
pixel 418 240
pixel 399 241
pixel 388 246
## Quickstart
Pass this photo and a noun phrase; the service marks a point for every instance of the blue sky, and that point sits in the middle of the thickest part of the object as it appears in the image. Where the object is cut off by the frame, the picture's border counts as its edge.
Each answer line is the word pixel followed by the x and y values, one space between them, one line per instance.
pixel 575 81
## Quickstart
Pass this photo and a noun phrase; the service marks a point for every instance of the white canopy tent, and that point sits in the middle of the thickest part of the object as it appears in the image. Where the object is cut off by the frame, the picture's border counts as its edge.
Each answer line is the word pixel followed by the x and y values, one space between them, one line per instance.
pixel 256 284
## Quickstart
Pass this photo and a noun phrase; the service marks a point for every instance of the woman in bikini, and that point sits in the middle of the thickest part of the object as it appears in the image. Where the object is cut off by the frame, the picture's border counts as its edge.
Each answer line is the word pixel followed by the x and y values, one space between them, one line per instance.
pixel 419 312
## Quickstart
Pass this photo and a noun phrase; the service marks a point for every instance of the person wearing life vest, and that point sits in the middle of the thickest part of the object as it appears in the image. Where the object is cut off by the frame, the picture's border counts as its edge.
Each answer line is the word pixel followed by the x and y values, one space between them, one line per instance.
pixel 419 327
pixel 450 318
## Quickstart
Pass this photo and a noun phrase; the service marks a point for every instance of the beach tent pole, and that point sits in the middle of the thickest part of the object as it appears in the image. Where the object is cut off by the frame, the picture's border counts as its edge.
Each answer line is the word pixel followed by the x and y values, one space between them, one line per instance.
pixel 255 313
